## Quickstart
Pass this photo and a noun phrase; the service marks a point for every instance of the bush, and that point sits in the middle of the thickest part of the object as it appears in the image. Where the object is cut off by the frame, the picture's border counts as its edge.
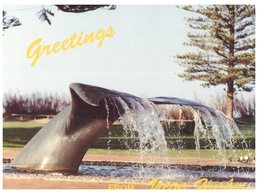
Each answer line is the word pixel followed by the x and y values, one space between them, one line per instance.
pixel 243 107
pixel 34 104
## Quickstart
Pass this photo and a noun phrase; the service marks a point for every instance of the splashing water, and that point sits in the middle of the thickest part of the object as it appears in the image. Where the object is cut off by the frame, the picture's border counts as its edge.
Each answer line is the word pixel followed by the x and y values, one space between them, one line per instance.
pixel 144 120
pixel 108 128
pixel 141 118
pixel 211 126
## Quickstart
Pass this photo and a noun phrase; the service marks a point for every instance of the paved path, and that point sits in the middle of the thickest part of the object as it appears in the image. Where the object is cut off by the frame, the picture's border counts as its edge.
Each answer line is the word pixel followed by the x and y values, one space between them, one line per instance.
pixel 11 183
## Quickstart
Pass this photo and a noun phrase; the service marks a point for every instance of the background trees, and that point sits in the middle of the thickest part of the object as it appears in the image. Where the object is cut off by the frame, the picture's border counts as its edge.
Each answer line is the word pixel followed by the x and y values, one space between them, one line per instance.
pixel 35 103
pixel 44 13
pixel 10 21
pixel 224 38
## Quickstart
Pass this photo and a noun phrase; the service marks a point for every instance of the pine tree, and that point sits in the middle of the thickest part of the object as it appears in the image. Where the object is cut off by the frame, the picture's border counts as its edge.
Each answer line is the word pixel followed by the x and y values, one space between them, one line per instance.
pixel 45 13
pixel 9 22
pixel 224 41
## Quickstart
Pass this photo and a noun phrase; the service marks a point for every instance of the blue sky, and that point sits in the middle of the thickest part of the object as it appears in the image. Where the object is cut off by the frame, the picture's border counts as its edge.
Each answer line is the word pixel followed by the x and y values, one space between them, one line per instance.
pixel 139 59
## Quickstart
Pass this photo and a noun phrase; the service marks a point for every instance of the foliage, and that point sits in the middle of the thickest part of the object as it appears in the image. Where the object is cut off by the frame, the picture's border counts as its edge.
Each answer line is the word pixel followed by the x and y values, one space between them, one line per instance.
pixel 44 14
pixel 34 104
pixel 9 22
pixel 213 62
pixel 81 8
pixel 244 107
pixel 224 42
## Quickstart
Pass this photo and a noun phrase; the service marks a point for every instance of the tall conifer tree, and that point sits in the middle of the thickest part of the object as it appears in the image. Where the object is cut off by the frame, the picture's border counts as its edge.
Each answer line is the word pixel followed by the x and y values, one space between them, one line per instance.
pixel 224 42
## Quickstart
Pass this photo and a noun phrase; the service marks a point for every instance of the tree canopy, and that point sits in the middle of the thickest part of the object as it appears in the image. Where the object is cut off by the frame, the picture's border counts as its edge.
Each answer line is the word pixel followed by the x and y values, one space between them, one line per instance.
pixel 44 14
pixel 224 40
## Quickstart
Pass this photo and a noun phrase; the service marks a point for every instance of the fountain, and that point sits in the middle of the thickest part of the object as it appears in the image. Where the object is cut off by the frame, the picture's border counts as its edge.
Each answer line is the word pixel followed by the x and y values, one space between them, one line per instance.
pixel 62 143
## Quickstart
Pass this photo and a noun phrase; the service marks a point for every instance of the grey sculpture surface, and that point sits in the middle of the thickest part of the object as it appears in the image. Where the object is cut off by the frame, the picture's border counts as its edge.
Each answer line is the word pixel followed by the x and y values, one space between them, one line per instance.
pixel 62 143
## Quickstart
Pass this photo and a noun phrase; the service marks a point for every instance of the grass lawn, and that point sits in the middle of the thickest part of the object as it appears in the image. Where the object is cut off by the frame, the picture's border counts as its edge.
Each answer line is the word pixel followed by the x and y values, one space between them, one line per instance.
pixel 186 153
pixel 23 124
pixel 17 134
pixel 178 153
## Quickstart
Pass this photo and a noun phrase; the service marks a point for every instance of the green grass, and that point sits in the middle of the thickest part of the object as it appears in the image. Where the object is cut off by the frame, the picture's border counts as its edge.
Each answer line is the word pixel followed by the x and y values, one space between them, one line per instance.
pixel 247 129
pixel 186 153
pixel 12 145
pixel 189 153
pixel 24 124
pixel 17 134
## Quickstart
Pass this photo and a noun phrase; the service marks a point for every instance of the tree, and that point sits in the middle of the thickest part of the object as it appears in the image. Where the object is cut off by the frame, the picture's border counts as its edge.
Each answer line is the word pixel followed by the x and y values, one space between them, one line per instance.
pixel 82 8
pixel 45 13
pixel 224 38
pixel 9 22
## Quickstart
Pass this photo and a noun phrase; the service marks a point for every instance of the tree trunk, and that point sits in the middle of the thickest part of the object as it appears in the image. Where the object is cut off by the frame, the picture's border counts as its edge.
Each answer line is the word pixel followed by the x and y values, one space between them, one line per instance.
pixel 230 83
pixel 230 100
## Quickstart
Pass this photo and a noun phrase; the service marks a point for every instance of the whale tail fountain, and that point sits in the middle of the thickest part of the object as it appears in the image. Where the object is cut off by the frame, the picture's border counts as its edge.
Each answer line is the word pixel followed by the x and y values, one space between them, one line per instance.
pixel 62 143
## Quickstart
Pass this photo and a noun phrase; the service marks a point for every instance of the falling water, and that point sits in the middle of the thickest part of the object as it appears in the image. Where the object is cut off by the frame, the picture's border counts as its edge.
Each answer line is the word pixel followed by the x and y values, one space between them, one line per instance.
pixel 141 117
pixel 144 119
pixel 211 126
pixel 108 128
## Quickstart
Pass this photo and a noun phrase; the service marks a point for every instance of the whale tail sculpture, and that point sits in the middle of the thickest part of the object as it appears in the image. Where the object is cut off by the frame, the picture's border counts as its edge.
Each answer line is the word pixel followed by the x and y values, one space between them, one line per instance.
pixel 62 143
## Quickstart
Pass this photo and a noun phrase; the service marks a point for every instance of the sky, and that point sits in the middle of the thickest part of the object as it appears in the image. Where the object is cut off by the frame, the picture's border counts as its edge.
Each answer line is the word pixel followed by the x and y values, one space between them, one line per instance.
pixel 139 59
